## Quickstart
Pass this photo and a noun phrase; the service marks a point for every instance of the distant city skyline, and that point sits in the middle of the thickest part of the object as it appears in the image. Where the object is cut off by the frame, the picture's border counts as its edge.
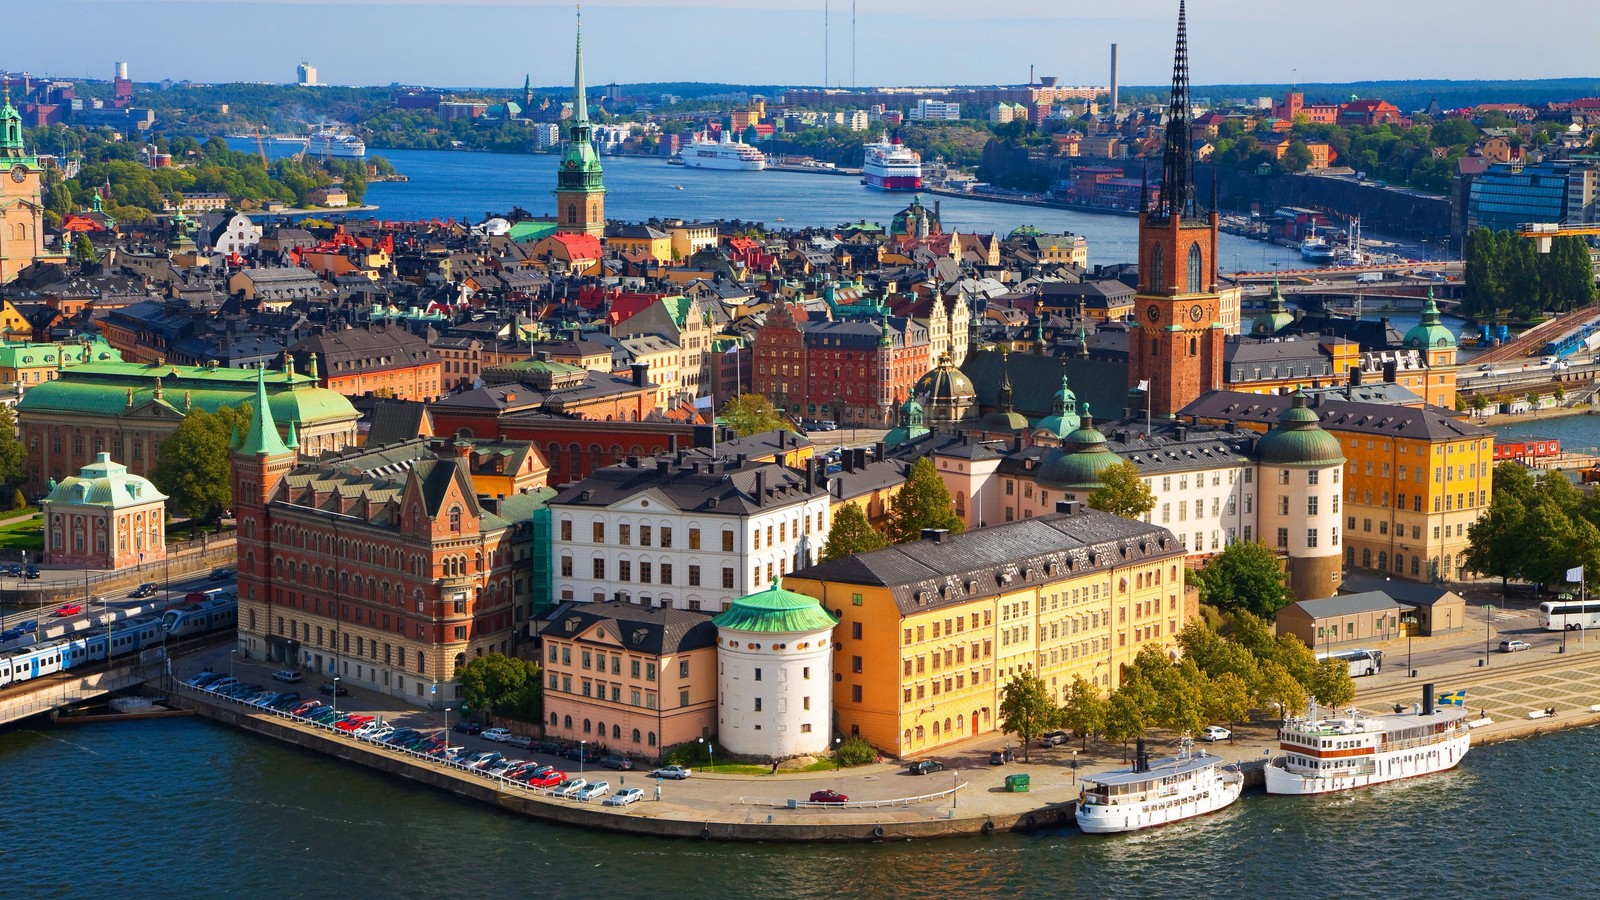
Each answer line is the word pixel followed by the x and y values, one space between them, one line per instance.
pixel 492 43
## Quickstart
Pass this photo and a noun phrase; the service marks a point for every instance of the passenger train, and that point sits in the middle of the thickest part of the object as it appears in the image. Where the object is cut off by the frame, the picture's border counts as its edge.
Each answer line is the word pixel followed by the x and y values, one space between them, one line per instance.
pixel 120 639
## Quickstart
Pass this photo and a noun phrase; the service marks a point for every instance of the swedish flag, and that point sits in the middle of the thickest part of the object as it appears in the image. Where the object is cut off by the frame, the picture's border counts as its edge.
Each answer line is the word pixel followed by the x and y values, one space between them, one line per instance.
pixel 1454 698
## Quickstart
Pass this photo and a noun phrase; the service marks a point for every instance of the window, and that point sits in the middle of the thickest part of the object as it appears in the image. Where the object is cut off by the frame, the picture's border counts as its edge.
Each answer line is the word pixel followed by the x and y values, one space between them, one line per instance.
pixel 683 700
pixel 644 535
pixel 694 575
pixel 855 664
pixel 855 693
pixel 1157 269
pixel 727 577
pixel 666 573
pixel 1195 265
pixel 1312 476
pixel 624 534
pixel 599 567
pixel 599 532
pixel 1311 506
pixel 855 631
pixel 566 567
pixel 683 668
pixel 666 536
pixel 694 539
pixel 1283 538
pixel 1311 537
pixel 727 545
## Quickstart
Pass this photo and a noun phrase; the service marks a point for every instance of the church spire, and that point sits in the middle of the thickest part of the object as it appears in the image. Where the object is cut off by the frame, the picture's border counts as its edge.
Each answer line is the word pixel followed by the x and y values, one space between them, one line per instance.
pixel 580 97
pixel 262 438
pixel 1177 161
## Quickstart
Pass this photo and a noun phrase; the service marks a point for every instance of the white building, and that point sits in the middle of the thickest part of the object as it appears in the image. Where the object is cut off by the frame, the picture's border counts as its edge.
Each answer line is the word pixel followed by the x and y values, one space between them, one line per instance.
pixel 306 74
pixel 1300 468
pixel 935 111
pixel 859 120
pixel 691 532
pixel 236 234
pixel 546 135
pixel 774 675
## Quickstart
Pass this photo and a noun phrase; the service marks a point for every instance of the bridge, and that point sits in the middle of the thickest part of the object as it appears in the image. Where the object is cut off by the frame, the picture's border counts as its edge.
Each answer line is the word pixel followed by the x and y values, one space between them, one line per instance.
pixel 44 695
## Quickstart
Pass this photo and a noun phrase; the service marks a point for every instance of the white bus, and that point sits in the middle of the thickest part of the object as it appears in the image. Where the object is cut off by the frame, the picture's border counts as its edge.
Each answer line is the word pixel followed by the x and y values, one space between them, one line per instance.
pixel 1361 662
pixel 1568 614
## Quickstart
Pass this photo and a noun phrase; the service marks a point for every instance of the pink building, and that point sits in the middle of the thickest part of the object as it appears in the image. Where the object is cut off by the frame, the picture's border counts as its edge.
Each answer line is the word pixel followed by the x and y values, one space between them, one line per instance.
pixel 105 518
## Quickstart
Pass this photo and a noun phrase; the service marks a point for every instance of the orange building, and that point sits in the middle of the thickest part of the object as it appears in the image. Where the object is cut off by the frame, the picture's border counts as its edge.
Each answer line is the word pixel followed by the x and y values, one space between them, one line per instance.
pixel 389 362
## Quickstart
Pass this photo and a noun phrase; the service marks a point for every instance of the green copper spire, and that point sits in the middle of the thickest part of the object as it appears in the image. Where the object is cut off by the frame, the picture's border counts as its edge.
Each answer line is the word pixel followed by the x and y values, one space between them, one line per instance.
pixel 580 165
pixel 262 439
pixel 580 97
pixel 10 128
pixel 291 441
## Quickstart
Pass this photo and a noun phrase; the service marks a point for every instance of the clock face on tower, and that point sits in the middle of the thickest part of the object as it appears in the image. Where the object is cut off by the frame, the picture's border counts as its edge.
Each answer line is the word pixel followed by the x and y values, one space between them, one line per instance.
pixel 19 173
pixel 1153 313
pixel 1195 312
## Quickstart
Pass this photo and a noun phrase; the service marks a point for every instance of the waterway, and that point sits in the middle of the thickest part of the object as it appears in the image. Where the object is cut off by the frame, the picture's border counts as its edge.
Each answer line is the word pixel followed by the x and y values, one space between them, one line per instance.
pixel 184 807
pixel 1578 434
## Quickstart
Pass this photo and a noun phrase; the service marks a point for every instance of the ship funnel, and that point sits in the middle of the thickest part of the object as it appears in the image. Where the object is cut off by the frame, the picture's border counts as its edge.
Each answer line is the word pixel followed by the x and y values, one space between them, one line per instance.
pixel 1427 699
pixel 1141 758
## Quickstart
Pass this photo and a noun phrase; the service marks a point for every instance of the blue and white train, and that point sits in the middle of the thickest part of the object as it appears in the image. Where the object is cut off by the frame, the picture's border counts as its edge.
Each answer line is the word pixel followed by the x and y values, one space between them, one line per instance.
pixel 123 638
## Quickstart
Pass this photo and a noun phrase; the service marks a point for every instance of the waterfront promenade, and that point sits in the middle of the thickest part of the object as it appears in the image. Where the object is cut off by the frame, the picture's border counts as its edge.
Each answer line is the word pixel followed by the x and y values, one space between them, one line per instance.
pixel 1501 689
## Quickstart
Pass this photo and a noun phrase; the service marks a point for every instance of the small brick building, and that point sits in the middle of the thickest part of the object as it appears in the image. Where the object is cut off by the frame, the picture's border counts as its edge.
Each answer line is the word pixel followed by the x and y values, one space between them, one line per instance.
pixel 105 518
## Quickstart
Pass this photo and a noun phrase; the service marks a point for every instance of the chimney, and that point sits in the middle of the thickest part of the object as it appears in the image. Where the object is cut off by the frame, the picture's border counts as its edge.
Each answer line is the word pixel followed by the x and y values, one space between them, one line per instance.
pixel 1141 758
pixel 847 461
pixel 860 456
pixel 1390 368
pixel 1427 699
pixel 633 462
pixel 1355 376
pixel 937 535
pixel 672 443
pixel 1182 431
pixel 663 466
pixel 704 436
pixel 640 371
pixel 761 487
pixel 1113 79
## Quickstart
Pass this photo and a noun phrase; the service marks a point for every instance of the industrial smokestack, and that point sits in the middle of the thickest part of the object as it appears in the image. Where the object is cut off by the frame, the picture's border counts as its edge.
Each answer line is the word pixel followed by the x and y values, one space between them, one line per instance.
pixel 1113 79
pixel 121 70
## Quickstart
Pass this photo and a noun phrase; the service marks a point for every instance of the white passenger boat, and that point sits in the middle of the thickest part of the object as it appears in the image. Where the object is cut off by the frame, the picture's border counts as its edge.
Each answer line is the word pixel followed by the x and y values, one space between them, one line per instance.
pixel 1323 755
pixel 1150 794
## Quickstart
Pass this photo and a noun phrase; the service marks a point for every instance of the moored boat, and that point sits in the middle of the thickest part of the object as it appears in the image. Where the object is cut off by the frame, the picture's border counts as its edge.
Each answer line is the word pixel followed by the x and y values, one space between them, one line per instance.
pixel 1324 755
pixel 1193 783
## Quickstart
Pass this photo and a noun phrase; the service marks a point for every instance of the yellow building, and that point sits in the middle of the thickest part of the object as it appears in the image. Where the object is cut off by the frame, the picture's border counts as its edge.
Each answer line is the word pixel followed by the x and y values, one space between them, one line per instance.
pixel 931 632
pixel 636 240
pixel 21 207
pixel 1415 478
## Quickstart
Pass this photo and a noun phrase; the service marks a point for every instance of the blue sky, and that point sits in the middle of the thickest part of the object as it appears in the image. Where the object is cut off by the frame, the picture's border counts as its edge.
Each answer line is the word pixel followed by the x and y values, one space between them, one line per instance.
pixel 493 42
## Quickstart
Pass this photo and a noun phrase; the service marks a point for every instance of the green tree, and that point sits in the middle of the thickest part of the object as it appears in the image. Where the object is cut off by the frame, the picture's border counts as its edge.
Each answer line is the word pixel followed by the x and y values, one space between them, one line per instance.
pixel 1533 400
pixel 12 454
pixel 1228 699
pixel 1245 576
pixel 193 467
pixel 1276 686
pixel 922 502
pixel 502 684
pixel 1126 719
pixel 1479 404
pixel 850 534
pixel 1179 698
pixel 1084 710
pixel 1252 633
pixel 1495 542
pixel 1123 493
pixel 1331 684
pixel 1027 709
pixel 83 252
pixel 854 751
pixel 749 414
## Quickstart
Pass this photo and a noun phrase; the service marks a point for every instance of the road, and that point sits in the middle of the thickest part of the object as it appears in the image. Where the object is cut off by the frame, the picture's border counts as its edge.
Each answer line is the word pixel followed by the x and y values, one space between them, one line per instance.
pixel 96 610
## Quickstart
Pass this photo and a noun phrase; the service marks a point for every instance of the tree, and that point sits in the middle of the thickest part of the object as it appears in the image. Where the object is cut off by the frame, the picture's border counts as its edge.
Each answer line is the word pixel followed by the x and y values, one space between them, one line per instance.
pixel 1084 710
pixel 193 468
pixel 1331 684
pixel 1179 698
pixel 1123 492
pixel 749 414
pixel 1533 400
pixel 1279 688
pixel 1479 404
pixel 83 252
pixel 1228 699
pixel 1560 395
pixel 1245 576
pixel 851 534
pixel 1027 709
pixel 503 684
pixel 923 502
pixel 1125 715
pixel 12 453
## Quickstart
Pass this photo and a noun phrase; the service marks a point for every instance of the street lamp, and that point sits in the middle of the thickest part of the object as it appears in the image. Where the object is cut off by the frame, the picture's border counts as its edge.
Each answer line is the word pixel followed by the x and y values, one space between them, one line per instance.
pixel 837 765
pixel 447 724
pixel 1488 616
pixel 1411 623
pixel 711 752
pixel 335 695
pixel 232 655
pixel 580 756
pixel 955 787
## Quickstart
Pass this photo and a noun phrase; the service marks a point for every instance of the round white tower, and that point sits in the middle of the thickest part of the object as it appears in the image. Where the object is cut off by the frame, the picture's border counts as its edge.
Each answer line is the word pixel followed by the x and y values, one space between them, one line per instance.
pixel 774 674
pixel 1301 466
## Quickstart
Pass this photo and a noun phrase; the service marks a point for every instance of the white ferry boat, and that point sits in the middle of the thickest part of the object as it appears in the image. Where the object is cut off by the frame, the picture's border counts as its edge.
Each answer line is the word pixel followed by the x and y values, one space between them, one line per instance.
pixel 891 166
pixel 1150 794
pixel 1316 249
pixel 332 142
pixel 1325 755
pixel 725 153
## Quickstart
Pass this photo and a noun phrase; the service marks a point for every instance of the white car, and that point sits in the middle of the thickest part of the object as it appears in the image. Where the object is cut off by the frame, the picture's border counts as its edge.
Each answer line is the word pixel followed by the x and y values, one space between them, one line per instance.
pixel 595 791
pixel 379 733
pixel 624 797
pixel 496 734
pixel 571 787
pixel 1215 733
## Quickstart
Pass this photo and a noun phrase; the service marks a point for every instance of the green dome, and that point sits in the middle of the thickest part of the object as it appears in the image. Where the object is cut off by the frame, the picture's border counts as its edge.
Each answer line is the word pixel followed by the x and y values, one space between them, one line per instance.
pixel 1063 418
pixel 1276 317
pixel 1430 333
pixel 775 611
pixel 104 483
pixel 1080 460
pixel 1007 420
pixel 1298 440
pixel 910 427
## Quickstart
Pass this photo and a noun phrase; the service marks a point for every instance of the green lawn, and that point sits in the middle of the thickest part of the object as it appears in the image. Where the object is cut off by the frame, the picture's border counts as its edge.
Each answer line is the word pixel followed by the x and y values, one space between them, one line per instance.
pixel 26 535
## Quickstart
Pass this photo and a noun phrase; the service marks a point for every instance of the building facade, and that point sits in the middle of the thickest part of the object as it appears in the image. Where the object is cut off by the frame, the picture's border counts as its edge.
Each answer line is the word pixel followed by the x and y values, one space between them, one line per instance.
pixel 21 203
pixel 105 518
pixel 580 192
pixel 774 675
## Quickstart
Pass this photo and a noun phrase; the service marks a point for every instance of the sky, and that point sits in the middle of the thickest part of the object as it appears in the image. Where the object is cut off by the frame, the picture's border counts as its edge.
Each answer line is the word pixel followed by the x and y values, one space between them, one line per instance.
pixel 897 42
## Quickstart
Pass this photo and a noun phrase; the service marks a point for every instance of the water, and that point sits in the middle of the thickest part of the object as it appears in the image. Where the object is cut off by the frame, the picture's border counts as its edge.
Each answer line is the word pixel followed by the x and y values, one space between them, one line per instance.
pixel 1578 434
pixel 184 807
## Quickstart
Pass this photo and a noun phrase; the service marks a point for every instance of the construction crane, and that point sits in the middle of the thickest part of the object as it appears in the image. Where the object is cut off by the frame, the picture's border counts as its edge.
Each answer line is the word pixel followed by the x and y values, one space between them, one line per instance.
pixel 261 147
pixel 1543 232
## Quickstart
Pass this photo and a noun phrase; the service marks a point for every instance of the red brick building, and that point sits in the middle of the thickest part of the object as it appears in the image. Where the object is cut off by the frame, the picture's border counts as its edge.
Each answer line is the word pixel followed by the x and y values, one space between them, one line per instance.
pixel 851 370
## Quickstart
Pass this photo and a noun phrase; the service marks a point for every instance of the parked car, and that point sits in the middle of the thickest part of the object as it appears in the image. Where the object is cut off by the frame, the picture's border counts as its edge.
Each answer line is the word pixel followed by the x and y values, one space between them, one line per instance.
pixel 466 727
pixel 495 734
pixel 548 779
pixel 305 708
pixel 288 676
pixel 221 574
pixel 1001 757
pixel 71 609
pixel 31 573
pixel 333 690
pixel 594 791
pixel 676 773
pixel 572 786
pixel 926 767
pixel 148 589
pixel 14 570
pixel 1215 733
pixel 828 796
pixel 1514 646
pixel 582 753
pixel 204 678
pixel 488 760
pixel 553 747
pixel 617 761
pixel 1054 738
pixel 530 772
pixel 625 797
pixel 520 741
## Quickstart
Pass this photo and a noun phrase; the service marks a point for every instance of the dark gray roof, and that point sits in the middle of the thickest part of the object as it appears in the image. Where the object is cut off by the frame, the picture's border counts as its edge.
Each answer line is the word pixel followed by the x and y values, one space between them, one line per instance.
pixel 1412 593
pixel 1430 423
pixel 1347 605
pixel 1035 380
pixel 652 630
pixel 723 488
pixel 989 561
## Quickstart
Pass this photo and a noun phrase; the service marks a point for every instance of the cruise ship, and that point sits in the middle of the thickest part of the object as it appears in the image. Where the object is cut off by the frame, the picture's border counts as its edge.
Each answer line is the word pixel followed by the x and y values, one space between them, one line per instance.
pixel 891 166
pixel 332 142
pixel 1321 756
pixel 723 153
pixel 1150 794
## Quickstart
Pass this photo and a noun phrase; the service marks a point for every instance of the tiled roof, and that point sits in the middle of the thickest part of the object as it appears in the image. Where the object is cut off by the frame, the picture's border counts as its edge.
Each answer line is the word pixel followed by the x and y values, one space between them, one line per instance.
pixel 651 630
pixel 1429 423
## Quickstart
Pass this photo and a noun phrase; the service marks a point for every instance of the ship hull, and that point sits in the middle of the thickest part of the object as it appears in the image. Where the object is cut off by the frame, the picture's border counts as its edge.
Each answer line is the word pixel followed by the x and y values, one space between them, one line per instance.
pixel 1440 757
pixel 892 182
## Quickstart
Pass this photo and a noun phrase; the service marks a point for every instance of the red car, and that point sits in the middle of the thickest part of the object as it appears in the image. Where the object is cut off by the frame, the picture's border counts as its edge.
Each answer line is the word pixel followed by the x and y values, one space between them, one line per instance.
pixel 71 609
pixel 354 722
pixel 548 779
pixel 828 797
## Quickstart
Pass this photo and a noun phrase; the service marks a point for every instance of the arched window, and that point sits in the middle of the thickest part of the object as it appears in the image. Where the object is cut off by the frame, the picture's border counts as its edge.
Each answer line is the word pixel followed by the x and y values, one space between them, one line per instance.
pixel 1155 347
pixel 567 723
pixel 1157 269
pixel 652 739
pixel 588 727
pixel 455 519
pixel 636 735
pixel 1194 268
pixel 1193 346
pixel 616 732
pixel 572 213
pixel 554 720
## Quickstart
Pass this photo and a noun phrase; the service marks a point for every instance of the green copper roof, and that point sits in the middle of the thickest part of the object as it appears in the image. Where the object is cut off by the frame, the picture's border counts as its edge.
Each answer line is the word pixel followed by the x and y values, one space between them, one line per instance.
pixel 113 388
pixel 526 232
pixel 1298 439
pixel 25 355
pixel 1430 332
pixel 1063 419
pixel 910 427
pixel 104 483
pixel 262 438
pixel 1081 459
pixel 580 164
pixel 775 611
pixel 1276 317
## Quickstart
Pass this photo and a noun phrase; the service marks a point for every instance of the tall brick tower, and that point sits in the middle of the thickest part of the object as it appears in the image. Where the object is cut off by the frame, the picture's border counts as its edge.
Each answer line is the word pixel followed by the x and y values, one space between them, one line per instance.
pixel 1176 351
pixel 258 463
pixel 580 193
